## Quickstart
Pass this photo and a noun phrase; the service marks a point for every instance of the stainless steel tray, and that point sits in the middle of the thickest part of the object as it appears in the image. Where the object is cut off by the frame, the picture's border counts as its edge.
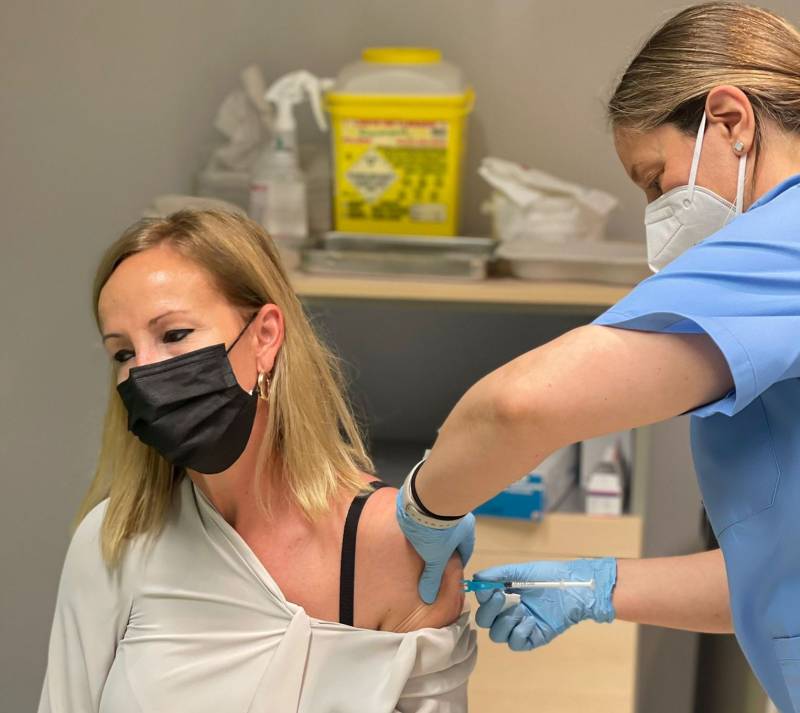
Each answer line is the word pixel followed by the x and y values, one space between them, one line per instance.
pixel 400 255
pixel 408 243
pixel 612 262
pixel 354 262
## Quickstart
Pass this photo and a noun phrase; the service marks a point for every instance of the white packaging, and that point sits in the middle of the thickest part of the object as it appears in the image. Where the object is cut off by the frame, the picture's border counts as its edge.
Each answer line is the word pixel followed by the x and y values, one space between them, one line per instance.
pixel 529 204
pixel 613 262
pixel 594 450
pixel 605 483
pixel 604 493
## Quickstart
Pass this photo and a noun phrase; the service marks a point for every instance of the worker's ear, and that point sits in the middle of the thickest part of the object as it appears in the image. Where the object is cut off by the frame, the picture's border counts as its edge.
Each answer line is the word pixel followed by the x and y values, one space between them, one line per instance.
pixel 729 108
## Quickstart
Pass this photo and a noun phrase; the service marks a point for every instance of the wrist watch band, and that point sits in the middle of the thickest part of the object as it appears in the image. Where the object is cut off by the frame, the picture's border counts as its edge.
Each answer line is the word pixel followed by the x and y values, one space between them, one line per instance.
pixel 417 512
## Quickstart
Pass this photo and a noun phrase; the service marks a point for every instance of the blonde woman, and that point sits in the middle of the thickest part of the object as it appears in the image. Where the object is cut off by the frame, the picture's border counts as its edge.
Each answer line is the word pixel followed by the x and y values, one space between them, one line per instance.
pixel 215 567
pixel 706 121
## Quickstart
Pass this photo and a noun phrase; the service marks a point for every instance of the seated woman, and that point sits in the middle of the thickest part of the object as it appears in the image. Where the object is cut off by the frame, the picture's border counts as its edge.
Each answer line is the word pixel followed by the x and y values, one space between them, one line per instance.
pixel 216 565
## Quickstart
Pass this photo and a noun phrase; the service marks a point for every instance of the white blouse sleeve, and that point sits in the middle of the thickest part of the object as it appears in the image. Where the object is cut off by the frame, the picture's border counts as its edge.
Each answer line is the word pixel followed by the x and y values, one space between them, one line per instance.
pixel 439 678
pixel 90 618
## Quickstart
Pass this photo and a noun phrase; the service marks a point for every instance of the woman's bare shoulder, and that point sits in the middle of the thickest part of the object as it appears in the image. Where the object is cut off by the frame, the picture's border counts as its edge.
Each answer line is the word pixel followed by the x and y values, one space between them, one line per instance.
pixel 388 570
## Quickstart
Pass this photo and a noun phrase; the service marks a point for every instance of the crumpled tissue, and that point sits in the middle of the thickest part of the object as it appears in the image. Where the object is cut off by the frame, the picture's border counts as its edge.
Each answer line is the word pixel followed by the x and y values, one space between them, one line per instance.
pixel 530 205
pixel 243 119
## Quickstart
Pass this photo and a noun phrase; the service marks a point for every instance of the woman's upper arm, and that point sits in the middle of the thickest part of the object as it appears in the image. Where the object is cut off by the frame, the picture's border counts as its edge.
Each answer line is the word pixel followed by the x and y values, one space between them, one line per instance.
pixel 90 616
pixel 445 610
pixel 388 570
pixel 595 380
pixel 709 333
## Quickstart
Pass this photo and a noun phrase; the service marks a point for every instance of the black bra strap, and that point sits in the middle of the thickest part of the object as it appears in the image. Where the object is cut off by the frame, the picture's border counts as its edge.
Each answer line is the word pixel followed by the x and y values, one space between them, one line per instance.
pixel 347 576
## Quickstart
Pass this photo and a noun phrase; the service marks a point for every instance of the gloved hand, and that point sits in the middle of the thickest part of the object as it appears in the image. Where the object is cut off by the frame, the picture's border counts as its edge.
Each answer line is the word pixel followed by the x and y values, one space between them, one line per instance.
pixel 543 614
pixel 435 546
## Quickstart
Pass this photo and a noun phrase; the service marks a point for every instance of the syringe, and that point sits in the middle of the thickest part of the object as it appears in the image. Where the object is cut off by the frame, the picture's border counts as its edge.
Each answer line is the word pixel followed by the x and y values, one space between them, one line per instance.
pixel 476 585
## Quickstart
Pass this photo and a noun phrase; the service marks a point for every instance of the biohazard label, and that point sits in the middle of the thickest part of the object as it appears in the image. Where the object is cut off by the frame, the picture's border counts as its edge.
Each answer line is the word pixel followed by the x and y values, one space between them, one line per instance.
pixel 394 171
pixel 372 174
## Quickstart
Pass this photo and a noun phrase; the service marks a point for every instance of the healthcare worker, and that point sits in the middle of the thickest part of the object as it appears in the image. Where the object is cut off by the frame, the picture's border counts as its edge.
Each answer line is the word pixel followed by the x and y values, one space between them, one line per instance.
pixel 706 121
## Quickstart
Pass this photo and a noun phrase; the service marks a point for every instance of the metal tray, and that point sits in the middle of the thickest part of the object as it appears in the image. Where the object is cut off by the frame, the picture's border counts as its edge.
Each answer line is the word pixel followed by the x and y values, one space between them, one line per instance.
pixel 434 245
pixel 400 255
pixel 612 262
pixel 395 264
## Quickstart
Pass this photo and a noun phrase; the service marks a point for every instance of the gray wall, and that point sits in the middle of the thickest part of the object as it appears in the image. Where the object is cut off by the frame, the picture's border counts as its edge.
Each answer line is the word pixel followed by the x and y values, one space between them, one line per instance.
pixel 105 104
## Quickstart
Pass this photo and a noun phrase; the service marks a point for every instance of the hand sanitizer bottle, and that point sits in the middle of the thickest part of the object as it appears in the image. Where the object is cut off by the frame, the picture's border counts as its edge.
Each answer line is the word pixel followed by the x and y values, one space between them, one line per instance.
pixel 278 191
pixel 278 187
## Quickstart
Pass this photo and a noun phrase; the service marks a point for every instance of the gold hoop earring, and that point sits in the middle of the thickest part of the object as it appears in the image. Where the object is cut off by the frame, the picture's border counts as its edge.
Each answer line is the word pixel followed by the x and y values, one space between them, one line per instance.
pixel 263 389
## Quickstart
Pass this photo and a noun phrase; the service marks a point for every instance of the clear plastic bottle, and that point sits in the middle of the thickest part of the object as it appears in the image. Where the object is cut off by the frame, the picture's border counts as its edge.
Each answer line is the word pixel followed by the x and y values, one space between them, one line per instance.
pixel 278 190
pixel 278 186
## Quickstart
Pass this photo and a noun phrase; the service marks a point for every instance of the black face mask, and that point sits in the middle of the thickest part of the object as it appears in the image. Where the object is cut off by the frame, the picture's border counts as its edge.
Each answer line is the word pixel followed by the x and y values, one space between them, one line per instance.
pixel 191 408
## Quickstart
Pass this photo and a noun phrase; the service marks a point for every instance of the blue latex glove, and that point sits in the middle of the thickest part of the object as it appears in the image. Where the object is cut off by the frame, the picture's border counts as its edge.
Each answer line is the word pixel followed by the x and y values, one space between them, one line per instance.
pixel 435 547
pixel 543 614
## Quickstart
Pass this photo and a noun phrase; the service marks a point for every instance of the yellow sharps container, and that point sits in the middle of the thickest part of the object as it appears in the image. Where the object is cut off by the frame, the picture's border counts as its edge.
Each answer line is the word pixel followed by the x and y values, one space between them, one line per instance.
pixel 398 129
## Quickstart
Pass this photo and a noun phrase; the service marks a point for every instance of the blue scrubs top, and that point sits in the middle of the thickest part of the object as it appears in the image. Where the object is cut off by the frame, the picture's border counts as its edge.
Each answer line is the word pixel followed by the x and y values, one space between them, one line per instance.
pixel 741 287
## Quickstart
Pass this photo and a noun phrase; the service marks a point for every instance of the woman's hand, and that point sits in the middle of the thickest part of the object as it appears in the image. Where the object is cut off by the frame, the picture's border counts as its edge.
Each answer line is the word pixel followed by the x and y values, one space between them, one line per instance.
pixel 689 592
pixel 435 546
pixel 543 614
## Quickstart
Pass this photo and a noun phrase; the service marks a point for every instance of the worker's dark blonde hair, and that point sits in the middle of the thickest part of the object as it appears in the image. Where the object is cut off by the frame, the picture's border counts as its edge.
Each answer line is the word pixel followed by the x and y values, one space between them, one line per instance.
pixel 311 439
pixel 703 47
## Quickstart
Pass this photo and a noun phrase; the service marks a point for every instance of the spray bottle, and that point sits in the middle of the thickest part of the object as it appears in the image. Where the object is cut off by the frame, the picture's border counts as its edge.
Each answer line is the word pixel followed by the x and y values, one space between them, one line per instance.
pixel 278 187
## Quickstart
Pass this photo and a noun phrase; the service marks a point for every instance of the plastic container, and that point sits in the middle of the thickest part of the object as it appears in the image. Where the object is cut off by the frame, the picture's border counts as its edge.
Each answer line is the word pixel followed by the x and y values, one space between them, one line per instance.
pixel 604 494
pixel 593 451
pixel 614 262
pixel 398 120
pixel 544 489
pixel 234 186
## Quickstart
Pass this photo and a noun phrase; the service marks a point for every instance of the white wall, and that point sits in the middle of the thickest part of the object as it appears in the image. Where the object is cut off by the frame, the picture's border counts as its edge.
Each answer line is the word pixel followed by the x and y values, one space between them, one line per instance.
pixel 105 104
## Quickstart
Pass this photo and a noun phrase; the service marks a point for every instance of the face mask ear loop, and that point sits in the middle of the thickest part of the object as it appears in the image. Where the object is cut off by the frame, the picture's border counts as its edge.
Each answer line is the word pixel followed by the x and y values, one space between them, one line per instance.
pixel 698 145
pixel 244 329
pixel 740 183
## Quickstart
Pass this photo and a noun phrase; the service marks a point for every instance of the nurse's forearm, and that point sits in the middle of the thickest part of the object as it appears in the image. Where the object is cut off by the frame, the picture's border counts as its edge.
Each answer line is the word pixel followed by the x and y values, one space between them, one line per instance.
pixel 591 381
pixel 689 592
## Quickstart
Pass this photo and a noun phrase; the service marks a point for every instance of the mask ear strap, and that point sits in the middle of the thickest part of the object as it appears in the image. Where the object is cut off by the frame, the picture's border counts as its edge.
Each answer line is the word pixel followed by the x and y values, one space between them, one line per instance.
pixel 740 183
pixel 698 145
pixel 244 329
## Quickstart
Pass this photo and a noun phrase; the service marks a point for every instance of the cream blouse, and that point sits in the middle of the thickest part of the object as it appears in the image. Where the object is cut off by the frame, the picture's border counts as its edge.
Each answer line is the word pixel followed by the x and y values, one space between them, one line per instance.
pixel 192 621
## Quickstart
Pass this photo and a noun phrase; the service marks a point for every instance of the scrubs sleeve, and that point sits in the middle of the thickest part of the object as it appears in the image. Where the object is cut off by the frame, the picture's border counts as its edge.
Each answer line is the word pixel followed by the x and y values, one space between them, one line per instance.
pixel 743 293
pixel 90 617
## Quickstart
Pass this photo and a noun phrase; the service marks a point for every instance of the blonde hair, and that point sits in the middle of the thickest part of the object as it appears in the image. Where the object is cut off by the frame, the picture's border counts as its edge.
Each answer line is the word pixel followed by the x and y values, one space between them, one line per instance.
pixel 703 47
pixel 311 438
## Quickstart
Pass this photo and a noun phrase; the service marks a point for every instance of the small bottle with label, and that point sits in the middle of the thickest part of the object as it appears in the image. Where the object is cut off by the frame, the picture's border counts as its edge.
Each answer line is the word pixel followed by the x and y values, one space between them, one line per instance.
pixel 278 191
